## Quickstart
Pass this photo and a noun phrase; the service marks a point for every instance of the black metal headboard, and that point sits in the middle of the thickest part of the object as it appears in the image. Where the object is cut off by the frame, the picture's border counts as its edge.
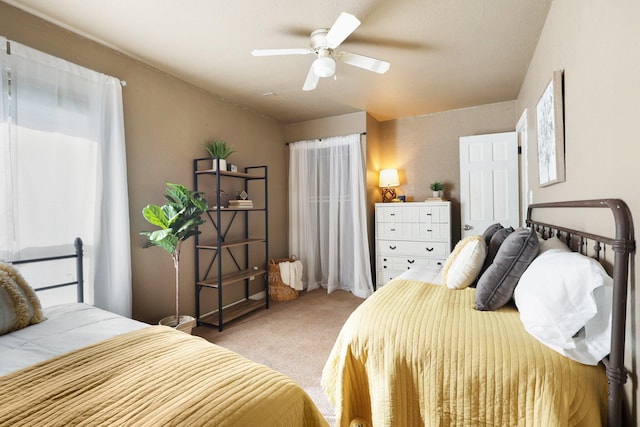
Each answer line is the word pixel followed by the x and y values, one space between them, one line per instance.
pixel 623 245
pixel 79 282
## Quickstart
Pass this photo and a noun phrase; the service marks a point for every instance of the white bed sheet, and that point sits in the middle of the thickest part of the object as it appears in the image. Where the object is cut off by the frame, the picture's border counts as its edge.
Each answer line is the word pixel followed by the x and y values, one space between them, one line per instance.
pixel 68 327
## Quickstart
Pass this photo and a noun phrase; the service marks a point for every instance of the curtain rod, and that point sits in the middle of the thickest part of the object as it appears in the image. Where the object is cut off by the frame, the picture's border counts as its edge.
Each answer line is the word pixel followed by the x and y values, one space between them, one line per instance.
pixel 123 83
pixel 320 139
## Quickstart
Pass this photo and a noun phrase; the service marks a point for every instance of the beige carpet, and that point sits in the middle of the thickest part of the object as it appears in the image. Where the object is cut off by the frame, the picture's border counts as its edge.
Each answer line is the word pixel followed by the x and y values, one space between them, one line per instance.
pixel 293 337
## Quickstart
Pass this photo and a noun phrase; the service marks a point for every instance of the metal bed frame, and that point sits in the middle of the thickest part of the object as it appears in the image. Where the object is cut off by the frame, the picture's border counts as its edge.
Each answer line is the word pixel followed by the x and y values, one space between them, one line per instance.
pixel 79 282
pixel 623 245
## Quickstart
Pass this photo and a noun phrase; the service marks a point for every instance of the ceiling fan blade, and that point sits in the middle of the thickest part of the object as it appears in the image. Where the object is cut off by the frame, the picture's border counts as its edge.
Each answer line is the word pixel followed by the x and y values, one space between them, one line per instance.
pixel 274 52
pixel 340 30
pixel 312 80
pixel 366 62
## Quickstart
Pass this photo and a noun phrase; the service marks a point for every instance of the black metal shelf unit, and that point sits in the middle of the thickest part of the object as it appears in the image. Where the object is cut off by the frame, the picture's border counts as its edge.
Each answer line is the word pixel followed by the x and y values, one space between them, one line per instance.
pixel 228 252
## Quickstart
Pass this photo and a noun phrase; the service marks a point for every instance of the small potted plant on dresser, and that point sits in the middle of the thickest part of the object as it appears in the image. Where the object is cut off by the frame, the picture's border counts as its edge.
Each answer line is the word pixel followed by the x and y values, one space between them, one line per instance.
pixel 178 220
pixel 437 189
pixel 219 151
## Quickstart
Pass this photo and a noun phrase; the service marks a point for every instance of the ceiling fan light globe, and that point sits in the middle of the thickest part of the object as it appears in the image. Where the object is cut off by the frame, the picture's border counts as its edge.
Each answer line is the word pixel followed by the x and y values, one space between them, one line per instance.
pixel 324 67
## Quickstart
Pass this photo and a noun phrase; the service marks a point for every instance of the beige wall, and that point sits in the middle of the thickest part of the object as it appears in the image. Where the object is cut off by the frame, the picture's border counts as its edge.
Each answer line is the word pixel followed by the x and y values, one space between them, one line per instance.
pixel 596 44
pixel 346 124
pixel 374 155
pixel 166 123
pixel 425 149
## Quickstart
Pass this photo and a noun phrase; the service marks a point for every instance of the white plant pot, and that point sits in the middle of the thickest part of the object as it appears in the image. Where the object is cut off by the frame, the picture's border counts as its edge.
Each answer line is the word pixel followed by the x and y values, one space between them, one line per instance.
pixel 223 165
pixel 437 193
pixel 186 323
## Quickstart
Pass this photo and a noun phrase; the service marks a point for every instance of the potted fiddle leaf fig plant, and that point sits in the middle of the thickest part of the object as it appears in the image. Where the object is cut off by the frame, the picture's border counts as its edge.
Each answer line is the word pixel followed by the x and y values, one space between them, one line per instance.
pixel 178 220
pixel 219 151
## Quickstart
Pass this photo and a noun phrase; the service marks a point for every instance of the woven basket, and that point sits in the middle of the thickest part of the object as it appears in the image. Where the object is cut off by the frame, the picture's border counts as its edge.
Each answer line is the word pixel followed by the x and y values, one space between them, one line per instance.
pixel 278 291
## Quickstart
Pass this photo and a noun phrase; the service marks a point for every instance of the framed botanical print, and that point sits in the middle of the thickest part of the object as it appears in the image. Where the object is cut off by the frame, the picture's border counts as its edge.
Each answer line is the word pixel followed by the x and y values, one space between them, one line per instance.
pixel 550 127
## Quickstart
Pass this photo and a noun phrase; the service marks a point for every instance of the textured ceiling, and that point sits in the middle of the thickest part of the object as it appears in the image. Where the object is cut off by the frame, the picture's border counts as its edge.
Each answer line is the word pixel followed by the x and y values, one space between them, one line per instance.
pixel 444 54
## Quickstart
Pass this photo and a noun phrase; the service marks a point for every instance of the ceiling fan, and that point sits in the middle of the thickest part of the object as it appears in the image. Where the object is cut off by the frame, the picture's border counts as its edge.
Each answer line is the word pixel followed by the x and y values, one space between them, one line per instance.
pixel 323 43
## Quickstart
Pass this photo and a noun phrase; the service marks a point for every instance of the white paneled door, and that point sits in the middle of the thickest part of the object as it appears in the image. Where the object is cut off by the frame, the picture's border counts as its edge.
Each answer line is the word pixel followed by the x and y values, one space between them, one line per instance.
pixel 488 181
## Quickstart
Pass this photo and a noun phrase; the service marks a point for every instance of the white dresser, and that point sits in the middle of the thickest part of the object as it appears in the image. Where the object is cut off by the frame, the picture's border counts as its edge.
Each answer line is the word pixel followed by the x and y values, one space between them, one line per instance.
pixel 411 234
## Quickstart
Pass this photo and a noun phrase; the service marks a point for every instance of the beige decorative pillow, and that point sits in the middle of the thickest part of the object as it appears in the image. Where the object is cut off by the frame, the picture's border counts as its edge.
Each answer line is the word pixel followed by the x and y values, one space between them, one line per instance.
pixel 19 304
pixel 465 262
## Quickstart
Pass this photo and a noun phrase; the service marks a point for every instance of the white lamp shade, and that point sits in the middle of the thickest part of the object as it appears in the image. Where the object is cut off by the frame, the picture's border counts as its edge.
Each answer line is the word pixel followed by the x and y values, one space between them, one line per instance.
pixel 324 66
pixel 389 178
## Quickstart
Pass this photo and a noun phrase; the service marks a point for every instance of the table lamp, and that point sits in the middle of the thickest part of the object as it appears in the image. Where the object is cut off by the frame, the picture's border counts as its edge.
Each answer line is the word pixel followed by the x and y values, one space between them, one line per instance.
pixel 388 179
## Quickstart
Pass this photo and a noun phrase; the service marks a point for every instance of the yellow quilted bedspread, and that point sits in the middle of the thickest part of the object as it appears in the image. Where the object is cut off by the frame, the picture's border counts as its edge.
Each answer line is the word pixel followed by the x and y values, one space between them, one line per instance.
pixel 153 377
pixel 416 354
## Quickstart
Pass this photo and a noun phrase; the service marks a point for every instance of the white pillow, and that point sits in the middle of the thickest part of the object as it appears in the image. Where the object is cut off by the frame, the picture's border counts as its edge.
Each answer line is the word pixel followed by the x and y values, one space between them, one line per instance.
pixel 423 274
pixel 564 300
pixel 465 262
pixel 552 244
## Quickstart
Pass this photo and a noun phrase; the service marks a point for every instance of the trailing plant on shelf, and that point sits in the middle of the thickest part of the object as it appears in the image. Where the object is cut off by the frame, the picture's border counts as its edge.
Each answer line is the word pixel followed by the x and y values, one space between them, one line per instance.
pixel 178 220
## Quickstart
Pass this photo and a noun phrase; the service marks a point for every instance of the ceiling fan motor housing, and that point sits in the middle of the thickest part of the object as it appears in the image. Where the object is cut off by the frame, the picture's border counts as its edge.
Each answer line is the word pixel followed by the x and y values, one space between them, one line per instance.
pixel 318 39
pixel 324 65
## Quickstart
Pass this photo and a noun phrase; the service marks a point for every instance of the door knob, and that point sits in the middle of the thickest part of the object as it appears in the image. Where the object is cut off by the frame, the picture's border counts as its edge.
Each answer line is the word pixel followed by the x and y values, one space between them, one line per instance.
pixel 467 227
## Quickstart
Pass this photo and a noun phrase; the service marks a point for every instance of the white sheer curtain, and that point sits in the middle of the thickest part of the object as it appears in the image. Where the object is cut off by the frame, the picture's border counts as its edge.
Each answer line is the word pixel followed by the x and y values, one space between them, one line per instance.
pixel 63 168
pixel 327 214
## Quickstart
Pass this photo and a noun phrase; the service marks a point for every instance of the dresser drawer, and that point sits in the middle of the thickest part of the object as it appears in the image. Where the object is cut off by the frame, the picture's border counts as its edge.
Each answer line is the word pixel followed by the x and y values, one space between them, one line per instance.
pixel 397 213
pixel 401 263
pixel 412 231
pixel 431 214
pixel 383 277
pixel 397 230
pixel 394 270
pixel 404 213
pixel 413 248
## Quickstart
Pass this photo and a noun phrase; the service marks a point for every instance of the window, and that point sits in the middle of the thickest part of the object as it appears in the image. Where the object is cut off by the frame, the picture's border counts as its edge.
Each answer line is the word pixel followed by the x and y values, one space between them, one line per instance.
pixel 63 172
pixel 327 214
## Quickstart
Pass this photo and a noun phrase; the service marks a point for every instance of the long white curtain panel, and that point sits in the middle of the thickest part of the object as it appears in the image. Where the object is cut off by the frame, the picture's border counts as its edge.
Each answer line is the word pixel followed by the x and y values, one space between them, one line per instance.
pixel 327 214
pixel 63 169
